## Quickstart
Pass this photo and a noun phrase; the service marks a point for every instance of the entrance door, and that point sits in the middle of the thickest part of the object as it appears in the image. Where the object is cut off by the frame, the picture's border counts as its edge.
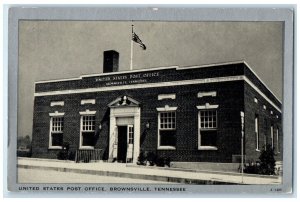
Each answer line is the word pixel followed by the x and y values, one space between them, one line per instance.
pixel 122 143
pixel 130 140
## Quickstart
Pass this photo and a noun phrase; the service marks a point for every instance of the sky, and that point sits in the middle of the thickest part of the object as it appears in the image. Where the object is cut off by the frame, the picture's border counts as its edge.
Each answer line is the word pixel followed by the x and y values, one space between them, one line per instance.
pixel 68 49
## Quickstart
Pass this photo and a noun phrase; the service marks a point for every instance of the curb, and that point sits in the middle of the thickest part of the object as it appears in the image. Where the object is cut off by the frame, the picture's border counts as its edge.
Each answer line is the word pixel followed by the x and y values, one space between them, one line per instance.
pixel 163 168
pixel 204 171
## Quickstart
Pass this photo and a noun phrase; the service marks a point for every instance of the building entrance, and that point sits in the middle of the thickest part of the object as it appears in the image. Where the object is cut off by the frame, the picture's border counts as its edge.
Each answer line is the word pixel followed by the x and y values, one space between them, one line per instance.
pixel 125 143
pixel 124 127
pixel 122 144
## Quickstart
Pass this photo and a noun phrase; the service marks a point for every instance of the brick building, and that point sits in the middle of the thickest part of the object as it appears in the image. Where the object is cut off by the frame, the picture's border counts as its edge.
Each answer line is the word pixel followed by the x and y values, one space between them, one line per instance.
pixel 190 114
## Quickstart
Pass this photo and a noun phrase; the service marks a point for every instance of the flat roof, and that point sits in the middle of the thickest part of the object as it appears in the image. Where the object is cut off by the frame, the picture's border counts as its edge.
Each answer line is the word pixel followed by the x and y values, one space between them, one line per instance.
pixel 161 68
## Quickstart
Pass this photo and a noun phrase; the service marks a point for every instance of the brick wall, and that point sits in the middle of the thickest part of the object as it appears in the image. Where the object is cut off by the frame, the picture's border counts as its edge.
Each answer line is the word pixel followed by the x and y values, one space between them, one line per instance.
pixel 229 98
pixel 266 119
pixel 232 98
pixel 164 75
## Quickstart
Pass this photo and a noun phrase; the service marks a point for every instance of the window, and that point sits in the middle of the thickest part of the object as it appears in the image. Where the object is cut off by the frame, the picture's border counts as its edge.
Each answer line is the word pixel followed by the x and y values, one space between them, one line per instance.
pixel 56 132
pixel 167 130
pixel 265 133
pixel 87 131
pixel 277 140
pixel 208 129
pixel 257 132
pixel 130 134
pixel 272 137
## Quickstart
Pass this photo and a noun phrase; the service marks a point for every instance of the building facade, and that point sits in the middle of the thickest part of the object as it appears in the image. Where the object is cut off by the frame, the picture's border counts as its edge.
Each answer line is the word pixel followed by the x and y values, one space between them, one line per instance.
pixel 187 114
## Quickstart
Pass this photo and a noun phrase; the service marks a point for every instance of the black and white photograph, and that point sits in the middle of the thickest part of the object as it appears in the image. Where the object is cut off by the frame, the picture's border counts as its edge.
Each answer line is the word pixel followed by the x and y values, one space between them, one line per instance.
pixel 149 102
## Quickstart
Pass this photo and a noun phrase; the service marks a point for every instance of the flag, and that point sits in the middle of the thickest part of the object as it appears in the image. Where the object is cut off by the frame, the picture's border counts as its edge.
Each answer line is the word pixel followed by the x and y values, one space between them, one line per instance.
pixel 136 39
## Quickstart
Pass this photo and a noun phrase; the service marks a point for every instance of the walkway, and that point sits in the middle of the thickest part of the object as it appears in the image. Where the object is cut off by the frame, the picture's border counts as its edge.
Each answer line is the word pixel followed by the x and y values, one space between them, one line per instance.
pixel 145 172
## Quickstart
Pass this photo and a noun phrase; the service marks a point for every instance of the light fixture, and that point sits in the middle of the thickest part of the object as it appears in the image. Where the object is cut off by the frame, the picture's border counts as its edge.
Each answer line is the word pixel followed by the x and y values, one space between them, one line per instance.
pixel 147 125
pixel 100 126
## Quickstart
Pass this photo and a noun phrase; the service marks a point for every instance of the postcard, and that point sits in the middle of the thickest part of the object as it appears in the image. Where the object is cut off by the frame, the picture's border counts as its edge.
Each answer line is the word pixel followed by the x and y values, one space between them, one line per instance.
pixel 150 100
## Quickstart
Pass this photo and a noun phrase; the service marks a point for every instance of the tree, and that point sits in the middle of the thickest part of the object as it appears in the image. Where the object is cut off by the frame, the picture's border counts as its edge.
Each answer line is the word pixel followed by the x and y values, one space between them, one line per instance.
pixel 24 142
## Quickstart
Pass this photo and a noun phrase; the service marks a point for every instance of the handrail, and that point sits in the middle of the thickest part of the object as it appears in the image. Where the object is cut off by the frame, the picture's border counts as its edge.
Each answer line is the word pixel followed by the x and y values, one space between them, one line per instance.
pixel 88 155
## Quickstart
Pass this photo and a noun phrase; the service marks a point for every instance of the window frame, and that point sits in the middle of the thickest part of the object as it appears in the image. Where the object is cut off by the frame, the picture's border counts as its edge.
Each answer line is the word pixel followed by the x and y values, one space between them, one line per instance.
pixel 277 140
pixel 56 114
pixel 130 134
pixel 167 109
pixel 272 136
pixel 256 131
pixel 206 107
pixel 265 133
pixel 82 114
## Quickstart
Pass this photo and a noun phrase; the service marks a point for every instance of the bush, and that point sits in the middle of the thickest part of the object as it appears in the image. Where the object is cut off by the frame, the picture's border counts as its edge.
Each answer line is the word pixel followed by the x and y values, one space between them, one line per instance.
pixel 160 162
pixel 71 156
pixel 168 161
pixel 63 154
pixel 151 158
pixel 22 153
pixel 267 161
pixel 141 159
pixel 252 169
pixel 266 165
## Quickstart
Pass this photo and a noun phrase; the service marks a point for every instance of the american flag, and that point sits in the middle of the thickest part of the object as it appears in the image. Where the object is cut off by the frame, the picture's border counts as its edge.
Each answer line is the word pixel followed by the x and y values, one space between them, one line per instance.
pixel 136 39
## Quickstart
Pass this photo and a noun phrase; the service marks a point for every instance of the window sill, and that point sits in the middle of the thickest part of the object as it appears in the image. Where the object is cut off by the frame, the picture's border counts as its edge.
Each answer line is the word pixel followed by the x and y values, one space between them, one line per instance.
pixel 166 148
pixel 55 147
pixel 207 148
pixel 86 147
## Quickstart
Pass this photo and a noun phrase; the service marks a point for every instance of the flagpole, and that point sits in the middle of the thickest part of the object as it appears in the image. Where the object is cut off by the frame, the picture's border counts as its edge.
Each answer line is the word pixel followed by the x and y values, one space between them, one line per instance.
pixel 131 48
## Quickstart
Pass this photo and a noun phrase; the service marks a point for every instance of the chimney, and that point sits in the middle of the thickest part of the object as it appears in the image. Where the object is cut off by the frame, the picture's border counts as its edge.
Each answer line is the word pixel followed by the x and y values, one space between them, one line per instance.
pixel 110 61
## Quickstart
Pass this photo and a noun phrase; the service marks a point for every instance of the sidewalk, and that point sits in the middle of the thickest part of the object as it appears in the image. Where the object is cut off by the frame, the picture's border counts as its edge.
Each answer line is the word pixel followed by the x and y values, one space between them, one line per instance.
pixel 147 173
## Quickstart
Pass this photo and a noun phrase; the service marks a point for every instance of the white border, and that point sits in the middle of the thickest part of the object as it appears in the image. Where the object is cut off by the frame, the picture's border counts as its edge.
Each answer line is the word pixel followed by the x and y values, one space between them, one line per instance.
pixel 285 13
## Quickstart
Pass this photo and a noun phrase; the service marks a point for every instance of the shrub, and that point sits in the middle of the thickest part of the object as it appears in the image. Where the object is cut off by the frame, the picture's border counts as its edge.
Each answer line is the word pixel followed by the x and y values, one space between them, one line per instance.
pixel 21 153
pixel 71 156
pixel 151 158
pixel 141 159
pixel 266 165
pixel 160 162
pixel 267 161
pixel 63 154
pixel 168 161
pixel 252 169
